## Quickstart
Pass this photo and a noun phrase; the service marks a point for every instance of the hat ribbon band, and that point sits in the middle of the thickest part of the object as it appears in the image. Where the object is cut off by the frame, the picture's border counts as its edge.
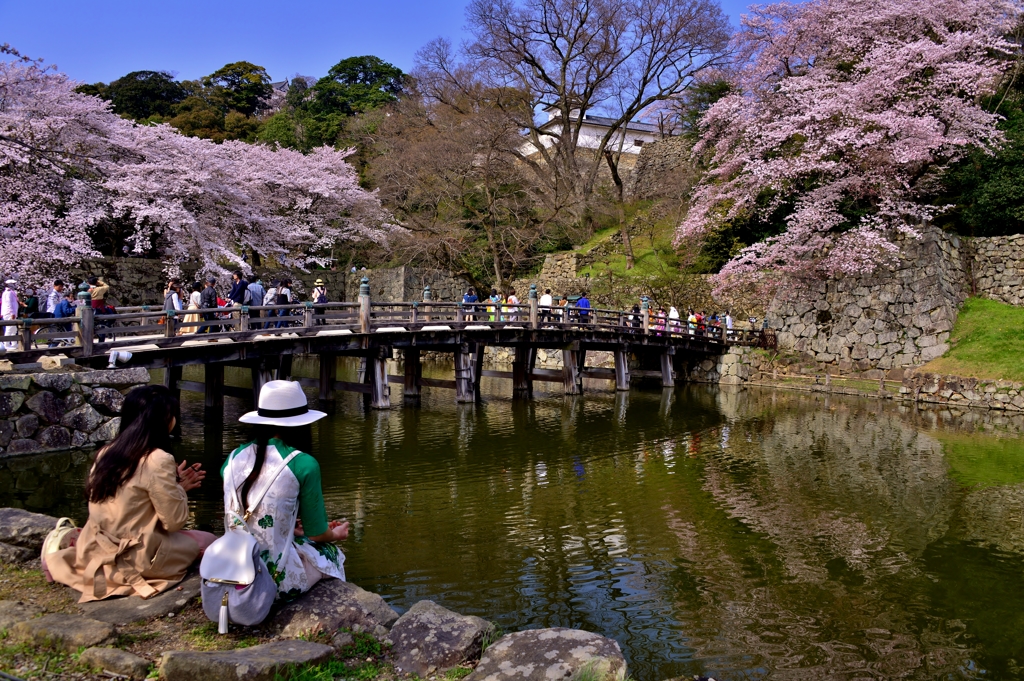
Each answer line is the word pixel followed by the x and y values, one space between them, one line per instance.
pixel 282 413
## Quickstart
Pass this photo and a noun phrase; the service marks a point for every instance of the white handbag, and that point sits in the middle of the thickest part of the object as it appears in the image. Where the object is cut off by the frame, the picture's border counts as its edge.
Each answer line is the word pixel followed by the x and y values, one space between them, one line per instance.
pixel 233 573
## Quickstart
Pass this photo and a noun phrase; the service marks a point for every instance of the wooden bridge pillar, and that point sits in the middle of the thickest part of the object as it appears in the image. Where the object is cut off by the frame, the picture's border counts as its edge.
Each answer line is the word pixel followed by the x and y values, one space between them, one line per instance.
pixel 171 377
pixel 522 378
pixel 284 368
pixel 413 374
pixel 328 374
pixel 621 369
pixel 668 379
pixel 571 377
pixel 213 380
pixel 261 375
pixel 380 395
pixel 465 383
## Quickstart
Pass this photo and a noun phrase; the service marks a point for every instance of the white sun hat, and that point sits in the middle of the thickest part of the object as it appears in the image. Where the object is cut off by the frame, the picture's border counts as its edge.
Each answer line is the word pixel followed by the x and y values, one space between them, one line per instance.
pixel 282 403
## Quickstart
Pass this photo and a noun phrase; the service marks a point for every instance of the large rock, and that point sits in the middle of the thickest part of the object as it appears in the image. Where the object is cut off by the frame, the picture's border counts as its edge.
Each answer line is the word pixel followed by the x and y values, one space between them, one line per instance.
pixel 56 382
pixel 54 437
pixel 116 661
pixel 130 609
pixel 114 377
pixel 83 418
pixel 49 407
pixel 107 432
pixel 23 446
pixel 12 555
pixel 258 663
pixel 19 382
pixel 331 605
pixel 23 528
pixel 107 399
pixel 550 655
pixel 68 631
pixel 27 425
pixel 12 612
pixel 6 432
pixel 10 403
pixel 430 638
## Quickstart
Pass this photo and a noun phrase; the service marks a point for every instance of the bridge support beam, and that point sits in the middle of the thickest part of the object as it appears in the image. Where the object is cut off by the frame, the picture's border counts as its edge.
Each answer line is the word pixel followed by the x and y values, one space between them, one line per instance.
pixel 465 381
pixel 261 375
pixel 284 368
pixel 413 375
pixel 380 394
pixel 328 374
pixel 571 377
pixel 668 379
pixel 213 379
pixel 172 375
pixel 522 368
pixel 621 369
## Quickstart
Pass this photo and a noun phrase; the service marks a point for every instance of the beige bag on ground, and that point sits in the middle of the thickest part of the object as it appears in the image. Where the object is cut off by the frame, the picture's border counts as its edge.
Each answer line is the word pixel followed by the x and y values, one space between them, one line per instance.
pixel 61 537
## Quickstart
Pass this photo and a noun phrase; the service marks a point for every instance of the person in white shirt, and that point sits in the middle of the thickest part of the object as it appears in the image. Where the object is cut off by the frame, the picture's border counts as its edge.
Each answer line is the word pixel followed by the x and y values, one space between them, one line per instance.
pixel 728 323
pixel 9 311
pixel 54 297
pixel 545 305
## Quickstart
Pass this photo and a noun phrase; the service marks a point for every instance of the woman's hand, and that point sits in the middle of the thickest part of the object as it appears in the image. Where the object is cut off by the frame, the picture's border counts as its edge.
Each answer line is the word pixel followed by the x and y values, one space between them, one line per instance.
pixel 337 530
pixel 190 477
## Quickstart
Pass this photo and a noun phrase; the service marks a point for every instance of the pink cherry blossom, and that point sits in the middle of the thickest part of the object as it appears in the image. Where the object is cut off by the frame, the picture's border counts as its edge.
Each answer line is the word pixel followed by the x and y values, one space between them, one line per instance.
pixel 67 164
pixel 839 101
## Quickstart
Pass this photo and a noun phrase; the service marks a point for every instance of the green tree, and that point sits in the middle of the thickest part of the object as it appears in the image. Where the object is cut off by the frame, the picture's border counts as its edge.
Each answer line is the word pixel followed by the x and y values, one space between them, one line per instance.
pixel 357 84
pixel 143 94
pixel 240 86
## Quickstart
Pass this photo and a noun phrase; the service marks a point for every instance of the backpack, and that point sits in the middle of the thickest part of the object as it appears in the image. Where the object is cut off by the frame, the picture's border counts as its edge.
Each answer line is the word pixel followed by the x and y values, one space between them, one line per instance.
pixel 247 297
pixel 237 586
pixel 321 297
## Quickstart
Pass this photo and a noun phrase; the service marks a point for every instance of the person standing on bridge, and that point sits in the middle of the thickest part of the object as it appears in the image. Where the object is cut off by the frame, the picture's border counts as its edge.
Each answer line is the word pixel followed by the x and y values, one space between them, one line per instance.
pixel 9 312
pixel 583 305
pixel 256 295
pixel 319 297
pixel 469 300
pixel 239 294
pixel 290 521
pixel 544 305
pixel 208 301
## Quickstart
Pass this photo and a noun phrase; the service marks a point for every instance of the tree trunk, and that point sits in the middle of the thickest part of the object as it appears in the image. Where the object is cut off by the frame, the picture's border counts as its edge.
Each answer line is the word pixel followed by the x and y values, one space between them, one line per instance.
pixel 626 242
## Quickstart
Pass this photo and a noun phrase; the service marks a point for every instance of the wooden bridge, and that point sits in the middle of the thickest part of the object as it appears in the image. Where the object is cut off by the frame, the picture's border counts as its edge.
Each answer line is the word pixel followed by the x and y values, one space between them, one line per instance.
pixel 264 339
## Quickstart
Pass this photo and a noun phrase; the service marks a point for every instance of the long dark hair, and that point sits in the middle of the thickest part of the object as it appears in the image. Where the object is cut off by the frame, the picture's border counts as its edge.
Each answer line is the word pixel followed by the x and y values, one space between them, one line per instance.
pixel 299 437
pixel 145 421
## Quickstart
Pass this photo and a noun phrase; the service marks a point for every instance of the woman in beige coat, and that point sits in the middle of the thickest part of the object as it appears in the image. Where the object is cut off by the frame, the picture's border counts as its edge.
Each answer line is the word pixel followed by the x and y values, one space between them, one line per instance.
pixel 133 541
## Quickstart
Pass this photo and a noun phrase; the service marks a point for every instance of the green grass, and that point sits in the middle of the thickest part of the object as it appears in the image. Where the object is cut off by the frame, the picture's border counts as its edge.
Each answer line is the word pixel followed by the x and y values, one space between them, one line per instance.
pixel 980 459
pixel 653 251
pixel 988 342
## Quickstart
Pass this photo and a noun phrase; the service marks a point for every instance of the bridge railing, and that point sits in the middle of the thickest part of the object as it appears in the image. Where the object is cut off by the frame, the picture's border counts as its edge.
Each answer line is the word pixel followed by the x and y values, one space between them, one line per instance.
pixel 98 333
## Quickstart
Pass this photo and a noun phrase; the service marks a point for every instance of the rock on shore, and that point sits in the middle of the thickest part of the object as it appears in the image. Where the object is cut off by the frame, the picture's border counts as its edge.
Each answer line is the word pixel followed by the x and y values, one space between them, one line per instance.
pixel 331 605
pixel 258 663
pixel 550 655
pixel 430 638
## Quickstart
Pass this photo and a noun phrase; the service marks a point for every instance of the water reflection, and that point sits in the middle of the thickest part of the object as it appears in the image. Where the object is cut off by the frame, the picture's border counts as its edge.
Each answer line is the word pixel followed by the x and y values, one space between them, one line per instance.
pixel 742 534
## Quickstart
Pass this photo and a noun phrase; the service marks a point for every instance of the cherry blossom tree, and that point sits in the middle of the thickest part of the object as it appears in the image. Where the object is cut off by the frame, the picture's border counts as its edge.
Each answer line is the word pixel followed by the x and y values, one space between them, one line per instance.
pixel 843 114
pixel 68 165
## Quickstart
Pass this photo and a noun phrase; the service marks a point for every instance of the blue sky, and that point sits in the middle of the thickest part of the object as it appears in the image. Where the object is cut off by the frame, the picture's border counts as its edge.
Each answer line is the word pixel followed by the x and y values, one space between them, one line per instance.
pixel 101 40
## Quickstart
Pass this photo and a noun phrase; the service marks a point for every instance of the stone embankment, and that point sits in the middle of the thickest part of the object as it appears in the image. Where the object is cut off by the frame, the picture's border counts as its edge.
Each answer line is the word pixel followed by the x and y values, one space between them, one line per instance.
pixel 62 409
pixel 319 627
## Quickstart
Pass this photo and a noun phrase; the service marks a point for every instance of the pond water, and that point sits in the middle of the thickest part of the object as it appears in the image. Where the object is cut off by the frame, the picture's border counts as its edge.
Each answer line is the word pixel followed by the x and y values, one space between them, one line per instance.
pixel 744 535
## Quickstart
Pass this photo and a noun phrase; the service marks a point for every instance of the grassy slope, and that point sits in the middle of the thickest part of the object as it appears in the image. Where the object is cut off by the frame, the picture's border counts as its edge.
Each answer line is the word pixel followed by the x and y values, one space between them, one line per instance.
pixel 988 342
pixel 652 255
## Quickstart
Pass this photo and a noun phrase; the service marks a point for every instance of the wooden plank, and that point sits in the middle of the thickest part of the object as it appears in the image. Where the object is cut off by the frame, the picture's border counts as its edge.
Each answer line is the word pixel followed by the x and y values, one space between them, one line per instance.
pixel 425 382
pixel 192 386
pixel 349 386
pixel 491 373
pixel 237 392
pixel 595 372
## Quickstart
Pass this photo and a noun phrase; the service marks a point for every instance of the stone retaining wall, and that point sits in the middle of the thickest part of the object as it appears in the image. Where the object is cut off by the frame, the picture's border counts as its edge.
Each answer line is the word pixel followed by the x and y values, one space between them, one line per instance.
pixel 56 410
pixel 998 268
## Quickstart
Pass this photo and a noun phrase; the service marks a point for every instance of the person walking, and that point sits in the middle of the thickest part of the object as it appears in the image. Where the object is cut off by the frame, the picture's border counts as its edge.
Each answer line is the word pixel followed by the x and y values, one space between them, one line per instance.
pixel 239 294
pixel 190 324
pixel 544 306
pixel 208 301
pixel 256 295
pixel 134 541
pixel 284 297
pixel 54 297
pixel 470 300
pixel 319 297
pixel 65 309
pixel 172 297
pixel 494 303
pixel 583 307
pixel 9 312
pixel 290 522
pixel 512 303
pixel 674 325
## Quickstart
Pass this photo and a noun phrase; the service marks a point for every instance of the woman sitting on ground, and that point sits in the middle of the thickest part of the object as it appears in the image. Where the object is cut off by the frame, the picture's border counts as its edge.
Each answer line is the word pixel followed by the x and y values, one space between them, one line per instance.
pixel 290 522
pixel 133 541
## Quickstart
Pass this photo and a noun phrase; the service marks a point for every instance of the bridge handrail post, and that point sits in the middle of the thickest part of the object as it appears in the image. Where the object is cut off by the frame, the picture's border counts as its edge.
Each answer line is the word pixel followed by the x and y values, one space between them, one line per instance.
pixel 460 314
pixel 415 314
pixel 645 313
pixel 428 296
pixel 26 335
pixel 243 318
pixel 307 314
pixel 85 329
pixel 364 305
pixel 169 324
pixel 534 315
